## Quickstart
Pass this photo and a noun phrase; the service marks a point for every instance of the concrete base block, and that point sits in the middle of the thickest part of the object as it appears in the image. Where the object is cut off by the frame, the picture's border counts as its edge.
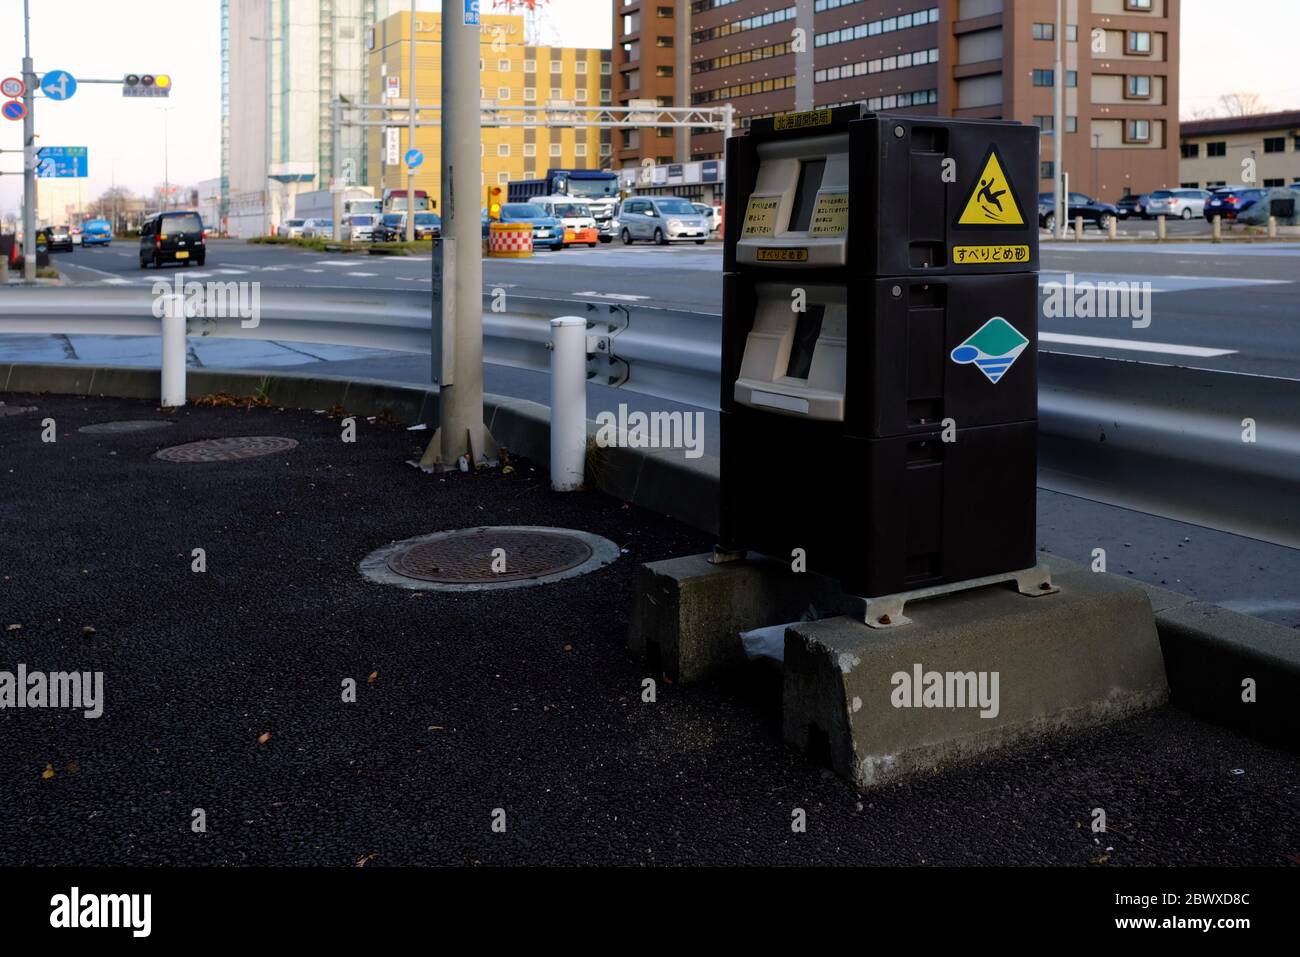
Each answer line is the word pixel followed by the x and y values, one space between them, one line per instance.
pixel 688 613
pixel 1084 656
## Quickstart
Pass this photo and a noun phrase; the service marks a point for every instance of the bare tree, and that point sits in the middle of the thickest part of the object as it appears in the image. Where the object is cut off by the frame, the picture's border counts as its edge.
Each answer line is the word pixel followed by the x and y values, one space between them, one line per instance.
pixel 1241 104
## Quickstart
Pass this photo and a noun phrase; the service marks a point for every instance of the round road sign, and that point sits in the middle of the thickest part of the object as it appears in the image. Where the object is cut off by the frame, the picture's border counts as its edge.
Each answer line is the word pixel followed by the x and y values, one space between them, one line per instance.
pixel 12 87
pixel 13 110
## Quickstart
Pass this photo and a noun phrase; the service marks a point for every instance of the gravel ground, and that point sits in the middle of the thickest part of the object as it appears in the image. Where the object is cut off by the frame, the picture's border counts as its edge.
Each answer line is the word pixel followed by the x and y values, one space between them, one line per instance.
pixel 522 700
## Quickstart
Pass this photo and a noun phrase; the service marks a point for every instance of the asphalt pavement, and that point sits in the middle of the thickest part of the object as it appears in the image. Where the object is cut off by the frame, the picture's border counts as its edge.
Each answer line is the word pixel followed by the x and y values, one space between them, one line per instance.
pixel 222 690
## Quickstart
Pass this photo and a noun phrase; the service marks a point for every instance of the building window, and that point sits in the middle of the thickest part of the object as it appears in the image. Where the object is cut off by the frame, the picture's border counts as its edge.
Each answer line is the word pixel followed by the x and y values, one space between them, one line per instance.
pixel 579 149
pixel 1191 151
pixel 555 149
pixel 557 66
pixel 530 93
pixel 631 79
pixel 605 149
pixel 580 95
pixel 1143 6
pixel 664 13
pixel 1137 131
pixel 1279 183
pixel 1044 31
pixel 1139 42
pixel 605 96
pixel 1071 33
pixel 1045 170
pixel 1275 144
pixel 503 66
pixel 1214 183
pixel 1139 88
pixel 557 93
pixel 580 67
pixel 1071 124
pixel 530 66
pixel 530 149
pixel 1189 185
pixel 1216 149
pixel 663 71
pixel 1043 78
pixel 663 41
pixel 1071 77
pixel 605 67
pixel 503 93
pixel 1045 123
pixel 503 178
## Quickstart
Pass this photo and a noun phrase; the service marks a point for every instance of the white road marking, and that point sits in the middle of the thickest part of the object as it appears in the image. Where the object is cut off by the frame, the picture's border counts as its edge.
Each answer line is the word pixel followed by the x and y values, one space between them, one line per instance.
pixel 313 270
pixel 1133 345
pixel 361 274
pixel 116 281
pixel 621 297
pixel 335 262
pixel 231 272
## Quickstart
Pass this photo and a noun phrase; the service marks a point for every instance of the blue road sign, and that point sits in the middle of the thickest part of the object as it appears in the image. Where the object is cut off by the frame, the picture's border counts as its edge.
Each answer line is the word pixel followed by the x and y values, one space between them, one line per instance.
pixel 13 110
pixel 58 85
pixel 414 158
pixel 54 162
pixel 471 13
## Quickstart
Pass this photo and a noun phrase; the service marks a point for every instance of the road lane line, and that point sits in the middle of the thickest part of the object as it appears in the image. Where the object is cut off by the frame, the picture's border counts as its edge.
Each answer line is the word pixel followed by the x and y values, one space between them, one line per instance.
pixel 364 275
pixel 621 297
pixel 1134 345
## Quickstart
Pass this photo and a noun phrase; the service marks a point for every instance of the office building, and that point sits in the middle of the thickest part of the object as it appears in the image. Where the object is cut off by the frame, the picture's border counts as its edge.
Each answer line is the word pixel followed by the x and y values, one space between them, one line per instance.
pixel 1219 152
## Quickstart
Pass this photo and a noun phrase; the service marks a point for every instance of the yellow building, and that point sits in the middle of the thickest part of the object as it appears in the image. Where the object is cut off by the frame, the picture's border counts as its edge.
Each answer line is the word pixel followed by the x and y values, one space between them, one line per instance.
pixel 510 74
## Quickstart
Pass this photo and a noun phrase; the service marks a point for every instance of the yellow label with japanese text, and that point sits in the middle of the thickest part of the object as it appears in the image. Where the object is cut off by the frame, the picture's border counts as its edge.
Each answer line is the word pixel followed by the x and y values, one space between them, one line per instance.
pixel 770 254
pixel 989 255
pixel 802 121
pixel 831 215
pixel 760 216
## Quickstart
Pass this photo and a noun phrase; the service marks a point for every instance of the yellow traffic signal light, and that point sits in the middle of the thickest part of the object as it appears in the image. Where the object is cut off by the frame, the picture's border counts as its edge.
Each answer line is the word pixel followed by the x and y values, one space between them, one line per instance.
pixel 494 202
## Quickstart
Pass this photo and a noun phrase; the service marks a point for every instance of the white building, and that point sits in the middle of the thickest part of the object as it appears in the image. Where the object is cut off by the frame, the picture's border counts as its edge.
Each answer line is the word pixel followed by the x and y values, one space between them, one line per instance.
pixel 61 201
pixel 283 62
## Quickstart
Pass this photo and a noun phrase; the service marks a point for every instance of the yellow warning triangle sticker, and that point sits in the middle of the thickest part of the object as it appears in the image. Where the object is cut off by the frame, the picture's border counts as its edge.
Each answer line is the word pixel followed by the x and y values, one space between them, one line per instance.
pixel 992 202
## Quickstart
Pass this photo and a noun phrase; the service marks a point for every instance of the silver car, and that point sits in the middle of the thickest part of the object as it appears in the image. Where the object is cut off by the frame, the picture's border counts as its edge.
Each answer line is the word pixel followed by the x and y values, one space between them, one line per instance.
pixel 661 220
pixel 1179 203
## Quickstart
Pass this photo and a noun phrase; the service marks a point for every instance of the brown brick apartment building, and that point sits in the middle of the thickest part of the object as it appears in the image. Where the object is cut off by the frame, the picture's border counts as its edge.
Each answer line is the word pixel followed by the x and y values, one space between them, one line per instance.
pixel 976 58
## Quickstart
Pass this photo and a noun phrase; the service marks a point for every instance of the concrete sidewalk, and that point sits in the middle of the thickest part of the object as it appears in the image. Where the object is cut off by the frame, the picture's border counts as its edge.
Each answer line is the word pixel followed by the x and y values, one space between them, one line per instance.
pixel 523 700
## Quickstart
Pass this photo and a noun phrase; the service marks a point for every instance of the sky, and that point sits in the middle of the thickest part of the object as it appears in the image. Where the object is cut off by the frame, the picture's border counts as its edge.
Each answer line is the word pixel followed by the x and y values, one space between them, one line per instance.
pixel 1251 50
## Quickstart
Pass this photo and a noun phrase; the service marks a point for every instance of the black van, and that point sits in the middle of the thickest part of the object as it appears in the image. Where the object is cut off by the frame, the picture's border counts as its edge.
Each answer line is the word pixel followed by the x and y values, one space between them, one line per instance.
pixel 172 236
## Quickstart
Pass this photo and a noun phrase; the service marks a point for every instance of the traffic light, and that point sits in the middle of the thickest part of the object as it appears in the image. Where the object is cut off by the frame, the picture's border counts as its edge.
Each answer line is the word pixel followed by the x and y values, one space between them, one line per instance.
pixel 494 202
pixel 146 84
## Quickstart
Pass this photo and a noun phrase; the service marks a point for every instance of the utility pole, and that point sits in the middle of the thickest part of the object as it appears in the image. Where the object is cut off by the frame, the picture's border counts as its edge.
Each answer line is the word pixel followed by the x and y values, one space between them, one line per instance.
pixel 410 121
pixel 167 175
pixel 29 154
pixel 1058 123
pixel 336 172
pixel 458 269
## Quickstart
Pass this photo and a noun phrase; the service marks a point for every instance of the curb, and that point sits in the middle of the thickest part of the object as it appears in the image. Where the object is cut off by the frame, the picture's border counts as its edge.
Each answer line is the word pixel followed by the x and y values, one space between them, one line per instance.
pixel 1208 651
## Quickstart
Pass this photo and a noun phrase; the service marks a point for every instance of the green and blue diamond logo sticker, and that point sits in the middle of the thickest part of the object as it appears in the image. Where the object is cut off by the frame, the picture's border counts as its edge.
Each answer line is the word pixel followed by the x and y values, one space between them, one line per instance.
pixel 993 348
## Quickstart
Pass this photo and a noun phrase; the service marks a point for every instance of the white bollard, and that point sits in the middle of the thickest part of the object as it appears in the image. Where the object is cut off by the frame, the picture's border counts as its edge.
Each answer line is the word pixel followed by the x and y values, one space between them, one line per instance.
pixel 568 402
pixel 1272 227
pixel 173 351
pixel 1078 227
pixel 1161 228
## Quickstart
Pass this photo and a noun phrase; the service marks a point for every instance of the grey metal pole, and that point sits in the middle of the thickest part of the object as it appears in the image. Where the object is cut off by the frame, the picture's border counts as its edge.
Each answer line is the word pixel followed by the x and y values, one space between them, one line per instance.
pixel 29 155
pixel 460 400
pixel 336 173
pixel 410 125
pixel 1058 123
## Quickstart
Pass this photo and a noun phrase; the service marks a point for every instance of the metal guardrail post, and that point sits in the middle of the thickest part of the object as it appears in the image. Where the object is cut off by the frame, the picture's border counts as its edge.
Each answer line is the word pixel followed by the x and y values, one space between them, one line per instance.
pixel 173 351
pixel 568 402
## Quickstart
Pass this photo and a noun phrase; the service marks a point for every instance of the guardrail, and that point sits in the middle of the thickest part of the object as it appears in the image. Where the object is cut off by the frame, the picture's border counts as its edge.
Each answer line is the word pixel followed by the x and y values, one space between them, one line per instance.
pixel 1167 440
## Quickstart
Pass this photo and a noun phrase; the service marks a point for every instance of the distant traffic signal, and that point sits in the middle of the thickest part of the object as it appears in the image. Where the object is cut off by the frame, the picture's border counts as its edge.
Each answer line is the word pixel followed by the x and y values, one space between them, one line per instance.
pixel 146 84
pixel 494 202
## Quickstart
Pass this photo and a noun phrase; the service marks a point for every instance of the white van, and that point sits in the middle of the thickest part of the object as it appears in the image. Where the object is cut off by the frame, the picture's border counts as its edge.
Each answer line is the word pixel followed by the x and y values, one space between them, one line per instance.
pixel 661 220
pixel 579 223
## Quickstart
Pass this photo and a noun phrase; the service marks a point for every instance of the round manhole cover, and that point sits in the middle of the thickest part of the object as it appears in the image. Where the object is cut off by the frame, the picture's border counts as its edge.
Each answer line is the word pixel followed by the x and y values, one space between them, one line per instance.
pixel 478 559
pixel 226 450
pixel 129 425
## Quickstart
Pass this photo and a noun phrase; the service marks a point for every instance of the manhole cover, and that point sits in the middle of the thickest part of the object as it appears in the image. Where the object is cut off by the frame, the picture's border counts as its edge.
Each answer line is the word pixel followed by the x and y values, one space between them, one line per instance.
pixel 130 425
pixel 478 559
pixel 15 409
pixel 226 450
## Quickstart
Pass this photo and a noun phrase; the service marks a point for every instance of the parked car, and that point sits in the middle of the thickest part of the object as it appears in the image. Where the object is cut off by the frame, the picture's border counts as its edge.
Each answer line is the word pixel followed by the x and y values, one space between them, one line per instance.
pixel 427 226
pixel 76 235
pixel 1228 201
pixel 548 231
pixel 390 228
pixel 1093 211
pixel 359 227
pixel 292 228
pixel 1180 203
pixel 579 222
pixel 661 220
pixel 711 213
pixel 1134 204
pixel 96 232
pixel 174 235
pixel 60 238
pixel 318 229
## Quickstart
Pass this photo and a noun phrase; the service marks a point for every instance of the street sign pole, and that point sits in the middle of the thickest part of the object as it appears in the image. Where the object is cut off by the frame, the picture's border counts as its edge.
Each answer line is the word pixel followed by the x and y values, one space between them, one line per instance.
pixel 29 155
pixel 459 272
pixel 410 136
